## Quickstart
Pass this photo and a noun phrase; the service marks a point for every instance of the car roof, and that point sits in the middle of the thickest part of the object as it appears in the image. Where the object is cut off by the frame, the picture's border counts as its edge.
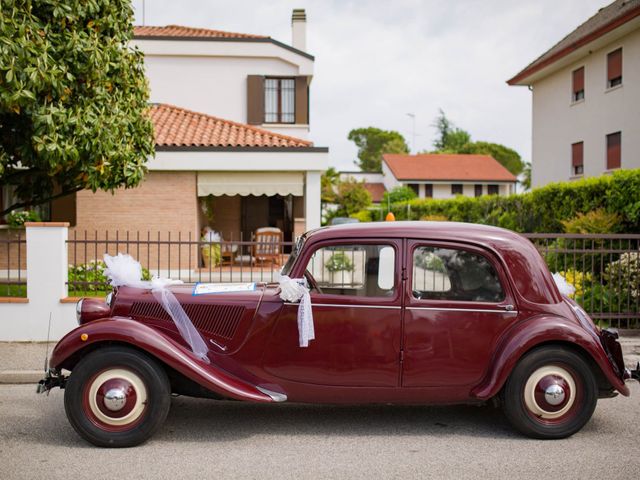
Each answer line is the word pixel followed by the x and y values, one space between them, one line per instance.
pixel 469 232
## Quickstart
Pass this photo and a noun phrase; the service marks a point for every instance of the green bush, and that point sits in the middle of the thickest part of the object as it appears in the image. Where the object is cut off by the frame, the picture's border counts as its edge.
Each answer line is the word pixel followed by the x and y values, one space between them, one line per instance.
pixel 398 194
pixel 541 210
pixel 18 219
pixel 93 271
pixel 596 221
pixel 623 275
pixel 362 215
pixel 339 262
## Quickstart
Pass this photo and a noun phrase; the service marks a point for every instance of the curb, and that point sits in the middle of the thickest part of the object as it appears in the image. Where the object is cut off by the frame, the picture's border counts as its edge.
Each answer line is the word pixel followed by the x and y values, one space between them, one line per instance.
pixel 20 376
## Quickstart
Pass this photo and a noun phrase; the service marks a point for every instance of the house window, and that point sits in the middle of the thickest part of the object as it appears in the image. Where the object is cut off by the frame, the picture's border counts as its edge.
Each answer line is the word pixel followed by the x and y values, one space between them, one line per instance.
pixel 428 190
pixel 279 100
pixel 578 84
pixel 577 158
pixel 493 189
pixel 614 68
pixel 614 154
pixel 456 189
pixel 414 187
pixel 478 190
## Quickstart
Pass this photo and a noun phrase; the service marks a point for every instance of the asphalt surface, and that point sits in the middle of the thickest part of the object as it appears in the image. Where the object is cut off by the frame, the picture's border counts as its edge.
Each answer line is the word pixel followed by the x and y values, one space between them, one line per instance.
pixel 205 439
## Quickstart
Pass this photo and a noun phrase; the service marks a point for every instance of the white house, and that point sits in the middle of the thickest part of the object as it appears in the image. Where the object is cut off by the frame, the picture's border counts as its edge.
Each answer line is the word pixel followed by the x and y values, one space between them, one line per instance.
pixel 438 175
pixel 231 118
pixel 586 98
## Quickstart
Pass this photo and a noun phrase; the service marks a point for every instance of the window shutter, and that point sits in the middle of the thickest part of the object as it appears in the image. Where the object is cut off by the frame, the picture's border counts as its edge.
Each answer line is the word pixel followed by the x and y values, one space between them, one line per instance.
pixel 577 150
pixel 614 152
pixel 578 80
pixel 255 99
pixel 302 100
pixel 614 64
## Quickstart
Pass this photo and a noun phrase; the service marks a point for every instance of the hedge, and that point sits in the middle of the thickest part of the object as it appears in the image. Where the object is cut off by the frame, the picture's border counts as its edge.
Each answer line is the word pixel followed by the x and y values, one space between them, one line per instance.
pixel 539 211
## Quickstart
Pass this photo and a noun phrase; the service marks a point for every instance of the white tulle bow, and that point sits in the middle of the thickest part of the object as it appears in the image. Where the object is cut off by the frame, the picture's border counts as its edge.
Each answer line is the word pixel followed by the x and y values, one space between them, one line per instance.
pixel 124 270
pixel 294 290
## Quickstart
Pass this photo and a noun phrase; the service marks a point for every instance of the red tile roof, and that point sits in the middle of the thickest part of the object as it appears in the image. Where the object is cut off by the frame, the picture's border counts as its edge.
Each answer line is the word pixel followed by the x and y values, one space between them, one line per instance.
pixel 447 167
pixel 175 126
pixel 607 19
pixel 376 190
pixel 180 31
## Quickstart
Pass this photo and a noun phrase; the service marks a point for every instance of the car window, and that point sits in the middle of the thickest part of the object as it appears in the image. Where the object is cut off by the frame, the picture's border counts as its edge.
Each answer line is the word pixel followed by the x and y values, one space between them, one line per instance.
pixel 453 274
pixel 354 270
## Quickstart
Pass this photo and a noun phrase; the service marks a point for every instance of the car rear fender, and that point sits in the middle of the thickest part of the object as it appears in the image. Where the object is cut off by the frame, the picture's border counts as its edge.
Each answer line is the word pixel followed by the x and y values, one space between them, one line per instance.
pixel 536 332
pixel 90 336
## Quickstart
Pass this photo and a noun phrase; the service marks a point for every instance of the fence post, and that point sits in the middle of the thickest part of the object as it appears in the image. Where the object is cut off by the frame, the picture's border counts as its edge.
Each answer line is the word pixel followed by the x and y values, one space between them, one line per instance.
pixel 47 271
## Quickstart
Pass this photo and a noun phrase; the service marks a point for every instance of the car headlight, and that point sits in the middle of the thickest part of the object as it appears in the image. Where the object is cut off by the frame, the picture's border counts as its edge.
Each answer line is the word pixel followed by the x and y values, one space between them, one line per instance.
pixel 79 310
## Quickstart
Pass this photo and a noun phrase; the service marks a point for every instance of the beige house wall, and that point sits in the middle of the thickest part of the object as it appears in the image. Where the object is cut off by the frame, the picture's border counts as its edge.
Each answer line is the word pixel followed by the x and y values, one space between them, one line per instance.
pixel 558 122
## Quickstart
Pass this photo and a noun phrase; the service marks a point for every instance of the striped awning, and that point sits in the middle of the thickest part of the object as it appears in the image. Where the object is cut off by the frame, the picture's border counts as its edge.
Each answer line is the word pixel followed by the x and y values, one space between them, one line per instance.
pixel 250 183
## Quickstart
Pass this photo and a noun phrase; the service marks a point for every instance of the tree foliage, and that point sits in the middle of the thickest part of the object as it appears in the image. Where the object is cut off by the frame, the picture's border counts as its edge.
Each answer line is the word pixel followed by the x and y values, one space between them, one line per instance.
pixel 398 194
pixel 328 185
pixel 73 99
pixel 351 197
pixel 451 139
pixel 372 143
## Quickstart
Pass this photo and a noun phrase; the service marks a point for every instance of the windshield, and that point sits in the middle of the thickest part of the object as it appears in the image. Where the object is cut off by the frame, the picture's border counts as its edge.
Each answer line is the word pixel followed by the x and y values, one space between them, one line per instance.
pixel 297 248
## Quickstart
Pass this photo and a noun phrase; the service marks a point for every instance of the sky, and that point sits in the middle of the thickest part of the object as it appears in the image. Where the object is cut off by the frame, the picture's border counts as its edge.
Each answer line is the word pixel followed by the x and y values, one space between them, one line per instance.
pixel 379 60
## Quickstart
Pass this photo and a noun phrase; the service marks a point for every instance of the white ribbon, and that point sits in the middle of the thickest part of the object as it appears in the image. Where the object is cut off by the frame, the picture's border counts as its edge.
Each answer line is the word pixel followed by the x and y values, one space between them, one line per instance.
pixel 294 290
pixel 124 270
pixel 565 287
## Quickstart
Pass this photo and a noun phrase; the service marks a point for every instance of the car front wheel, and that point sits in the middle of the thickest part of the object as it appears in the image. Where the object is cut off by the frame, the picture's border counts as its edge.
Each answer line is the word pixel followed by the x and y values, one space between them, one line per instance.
pixel 551 393
pixel 117 397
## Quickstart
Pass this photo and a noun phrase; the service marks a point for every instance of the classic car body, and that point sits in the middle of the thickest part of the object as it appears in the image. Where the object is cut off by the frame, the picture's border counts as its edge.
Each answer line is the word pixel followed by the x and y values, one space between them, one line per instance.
pixel 404 312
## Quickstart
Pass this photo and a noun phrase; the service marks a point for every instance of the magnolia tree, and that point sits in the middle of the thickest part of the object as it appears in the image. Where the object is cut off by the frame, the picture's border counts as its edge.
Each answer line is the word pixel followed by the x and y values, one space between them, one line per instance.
pixel 73 99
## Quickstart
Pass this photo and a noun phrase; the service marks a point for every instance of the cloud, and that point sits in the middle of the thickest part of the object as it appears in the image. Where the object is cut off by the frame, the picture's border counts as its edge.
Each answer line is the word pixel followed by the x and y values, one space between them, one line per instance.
pixel 378 60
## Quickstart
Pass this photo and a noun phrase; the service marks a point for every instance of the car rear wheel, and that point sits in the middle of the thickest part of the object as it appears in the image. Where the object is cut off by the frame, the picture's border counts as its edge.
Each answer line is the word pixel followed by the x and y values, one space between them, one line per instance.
pixel 551 393
pixel 117 397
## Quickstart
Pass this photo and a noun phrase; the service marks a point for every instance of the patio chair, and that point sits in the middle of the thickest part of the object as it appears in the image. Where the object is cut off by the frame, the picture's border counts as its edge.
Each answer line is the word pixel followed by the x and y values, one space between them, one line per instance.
pixel 268 245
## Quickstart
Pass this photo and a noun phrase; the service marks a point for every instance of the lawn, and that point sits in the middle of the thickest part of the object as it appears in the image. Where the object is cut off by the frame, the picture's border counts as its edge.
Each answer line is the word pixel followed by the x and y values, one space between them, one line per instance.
pixel 21 291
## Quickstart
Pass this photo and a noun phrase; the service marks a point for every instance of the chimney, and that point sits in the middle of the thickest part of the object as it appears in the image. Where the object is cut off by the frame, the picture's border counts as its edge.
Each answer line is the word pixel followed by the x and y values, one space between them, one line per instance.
pixel 299 29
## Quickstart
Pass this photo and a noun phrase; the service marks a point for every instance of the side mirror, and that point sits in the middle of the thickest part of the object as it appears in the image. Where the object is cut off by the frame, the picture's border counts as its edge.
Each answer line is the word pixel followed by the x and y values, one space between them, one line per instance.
pixel 386 268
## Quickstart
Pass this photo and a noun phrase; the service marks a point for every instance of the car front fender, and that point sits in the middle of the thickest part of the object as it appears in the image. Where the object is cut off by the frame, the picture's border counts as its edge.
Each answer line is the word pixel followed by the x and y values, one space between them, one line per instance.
pixel 538 331
pixel 163 348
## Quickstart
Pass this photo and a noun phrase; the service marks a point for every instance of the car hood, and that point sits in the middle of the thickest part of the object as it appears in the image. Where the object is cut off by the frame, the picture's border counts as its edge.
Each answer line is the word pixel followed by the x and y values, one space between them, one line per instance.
pixel 223 318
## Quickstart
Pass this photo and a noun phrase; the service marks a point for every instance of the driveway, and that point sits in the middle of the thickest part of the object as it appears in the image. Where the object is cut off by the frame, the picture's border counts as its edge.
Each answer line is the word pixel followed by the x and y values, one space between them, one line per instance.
pixel 205 439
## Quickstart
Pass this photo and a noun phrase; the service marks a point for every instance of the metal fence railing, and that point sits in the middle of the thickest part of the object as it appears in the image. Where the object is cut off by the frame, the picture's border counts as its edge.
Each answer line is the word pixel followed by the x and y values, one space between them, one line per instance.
pixel 177 256
pixel 13 263
pixel 604 269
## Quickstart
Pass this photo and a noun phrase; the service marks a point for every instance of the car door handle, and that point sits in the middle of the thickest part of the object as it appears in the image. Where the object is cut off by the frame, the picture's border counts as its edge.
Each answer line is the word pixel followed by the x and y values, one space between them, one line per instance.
pixel 508 308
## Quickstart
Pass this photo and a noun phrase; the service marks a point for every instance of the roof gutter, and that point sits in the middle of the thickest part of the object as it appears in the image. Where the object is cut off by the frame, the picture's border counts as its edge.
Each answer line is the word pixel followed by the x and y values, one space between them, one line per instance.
pixel 225 39
pixel 520 77
pixel 219 148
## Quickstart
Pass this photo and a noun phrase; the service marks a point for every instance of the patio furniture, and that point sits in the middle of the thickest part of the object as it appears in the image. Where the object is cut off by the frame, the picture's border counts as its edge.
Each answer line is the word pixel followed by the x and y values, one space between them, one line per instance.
pixel 268 245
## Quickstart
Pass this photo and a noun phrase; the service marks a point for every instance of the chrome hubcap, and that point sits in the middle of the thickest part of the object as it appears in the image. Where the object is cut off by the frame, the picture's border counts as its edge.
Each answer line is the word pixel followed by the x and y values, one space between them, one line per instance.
pixel 550 392
pixel 115 399
pixel 554 395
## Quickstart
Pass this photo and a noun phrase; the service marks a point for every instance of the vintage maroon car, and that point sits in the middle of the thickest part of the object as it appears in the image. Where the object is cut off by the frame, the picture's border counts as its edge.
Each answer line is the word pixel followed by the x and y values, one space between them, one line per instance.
pixel 404 312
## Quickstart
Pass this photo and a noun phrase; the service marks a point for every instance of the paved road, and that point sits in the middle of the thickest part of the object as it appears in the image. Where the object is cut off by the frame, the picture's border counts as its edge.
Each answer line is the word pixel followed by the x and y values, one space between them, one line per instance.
pixel 206 439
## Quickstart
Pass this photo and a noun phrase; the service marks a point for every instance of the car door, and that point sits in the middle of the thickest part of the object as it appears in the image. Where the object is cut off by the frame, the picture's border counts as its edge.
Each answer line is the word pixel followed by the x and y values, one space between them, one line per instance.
pixel 458 303
pixel 356 309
